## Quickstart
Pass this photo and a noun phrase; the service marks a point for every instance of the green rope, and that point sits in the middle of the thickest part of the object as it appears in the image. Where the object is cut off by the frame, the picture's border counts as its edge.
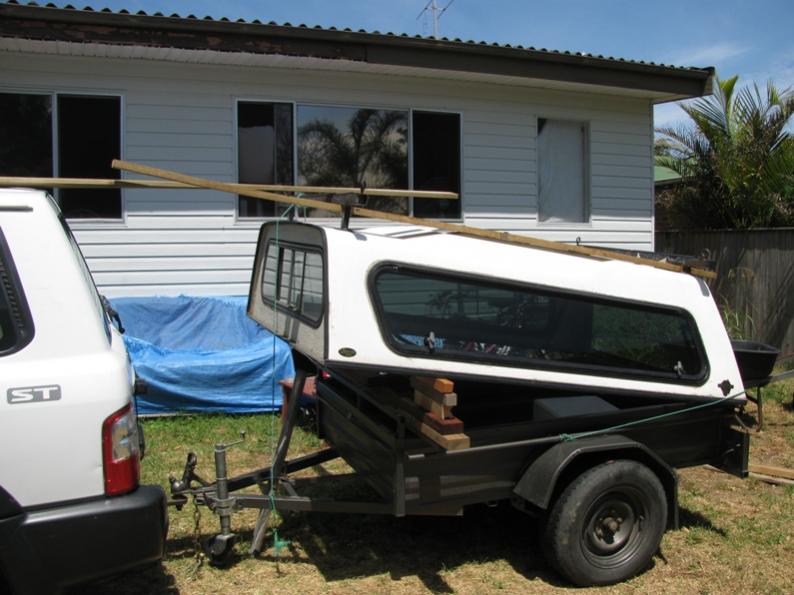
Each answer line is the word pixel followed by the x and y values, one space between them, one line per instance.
pixel 278 543
pixel 636 422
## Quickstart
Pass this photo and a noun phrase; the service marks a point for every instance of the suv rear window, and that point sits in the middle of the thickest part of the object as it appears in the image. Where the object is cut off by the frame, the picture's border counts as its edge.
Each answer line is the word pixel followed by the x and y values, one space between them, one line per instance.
pixel 293 280
pixel 16 325
pixel 486 321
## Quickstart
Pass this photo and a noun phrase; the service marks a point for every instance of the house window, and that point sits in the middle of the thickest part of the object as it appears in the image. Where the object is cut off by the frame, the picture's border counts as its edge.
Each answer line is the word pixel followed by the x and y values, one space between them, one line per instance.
pixel 293 280
pixel 436 162
pixel 348 147
pixel 562 172
pixel 25 135
pixel 264 152
pixel 489 322
pixel 87 130
pixel 354 147
pixel 89 138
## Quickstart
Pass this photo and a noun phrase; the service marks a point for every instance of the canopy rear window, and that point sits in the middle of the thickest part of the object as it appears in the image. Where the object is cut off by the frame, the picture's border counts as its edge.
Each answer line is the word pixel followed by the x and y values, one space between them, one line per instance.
pixel 437 315
pixel 293 280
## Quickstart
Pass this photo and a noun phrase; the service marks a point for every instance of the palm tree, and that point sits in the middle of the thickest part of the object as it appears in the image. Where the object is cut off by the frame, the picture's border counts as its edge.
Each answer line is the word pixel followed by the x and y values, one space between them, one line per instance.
pixel 735 158
pixel 370 151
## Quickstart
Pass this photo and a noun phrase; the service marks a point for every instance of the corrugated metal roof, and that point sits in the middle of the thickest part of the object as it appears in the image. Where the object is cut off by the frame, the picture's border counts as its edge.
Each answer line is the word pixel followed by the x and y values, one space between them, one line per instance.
pixel 664 175
pixel 361 32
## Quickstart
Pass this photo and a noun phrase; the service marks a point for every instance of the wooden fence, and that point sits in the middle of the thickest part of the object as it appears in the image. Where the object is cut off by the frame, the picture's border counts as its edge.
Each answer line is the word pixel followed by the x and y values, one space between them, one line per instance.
pixel 755 277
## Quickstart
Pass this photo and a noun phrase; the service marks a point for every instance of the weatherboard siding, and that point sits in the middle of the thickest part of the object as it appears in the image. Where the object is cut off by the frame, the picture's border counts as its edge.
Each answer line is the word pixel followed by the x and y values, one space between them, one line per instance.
pixel 181 117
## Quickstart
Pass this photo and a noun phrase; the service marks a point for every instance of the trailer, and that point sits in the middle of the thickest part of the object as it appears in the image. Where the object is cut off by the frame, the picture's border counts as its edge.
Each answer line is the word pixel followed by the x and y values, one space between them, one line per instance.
pixel 456 366
pixel 453 371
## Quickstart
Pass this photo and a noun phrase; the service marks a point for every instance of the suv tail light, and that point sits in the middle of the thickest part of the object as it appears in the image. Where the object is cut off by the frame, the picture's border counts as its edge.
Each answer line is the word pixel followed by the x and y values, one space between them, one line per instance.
pixel 120 452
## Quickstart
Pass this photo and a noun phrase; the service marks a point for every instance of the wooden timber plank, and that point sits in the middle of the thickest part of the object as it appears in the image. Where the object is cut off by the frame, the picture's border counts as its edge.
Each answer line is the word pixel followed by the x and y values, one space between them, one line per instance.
pixel 449 442
pixel 498 236
pixel 156 172
pixel 429 404
pixel 772 471
pixel 429 386
pixel 445 426
pixel 33 182
pixel 413 419
pixel 552 246
pixel 773 480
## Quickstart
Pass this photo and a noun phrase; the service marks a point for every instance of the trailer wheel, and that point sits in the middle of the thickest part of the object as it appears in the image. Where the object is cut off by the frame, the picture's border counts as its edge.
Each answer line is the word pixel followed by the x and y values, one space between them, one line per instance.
pixel 220 549
pixel 607 524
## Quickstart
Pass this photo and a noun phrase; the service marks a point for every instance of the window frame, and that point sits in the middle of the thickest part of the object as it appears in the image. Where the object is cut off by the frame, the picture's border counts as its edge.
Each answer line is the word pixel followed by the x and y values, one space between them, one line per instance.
pixel 461 177
pixel 122 218
pixel 698 379
pixel 586 174
pixel 53 95
pixel 22 324
pixel 296 103
pixel 237 100
pixel 87 276
pixel 286 309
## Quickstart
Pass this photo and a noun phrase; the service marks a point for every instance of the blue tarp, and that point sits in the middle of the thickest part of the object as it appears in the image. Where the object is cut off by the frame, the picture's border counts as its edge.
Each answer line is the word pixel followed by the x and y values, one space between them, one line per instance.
pixel 203 355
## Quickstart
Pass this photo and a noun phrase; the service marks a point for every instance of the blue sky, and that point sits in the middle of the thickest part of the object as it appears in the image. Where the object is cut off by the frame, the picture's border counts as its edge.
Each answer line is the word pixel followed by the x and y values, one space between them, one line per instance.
pixel 754 39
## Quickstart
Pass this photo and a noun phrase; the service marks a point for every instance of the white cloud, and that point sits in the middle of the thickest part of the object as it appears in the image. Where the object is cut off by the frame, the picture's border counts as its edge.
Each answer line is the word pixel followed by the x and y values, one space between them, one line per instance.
pixel 780 71
pixel 669 115
pixel 709 55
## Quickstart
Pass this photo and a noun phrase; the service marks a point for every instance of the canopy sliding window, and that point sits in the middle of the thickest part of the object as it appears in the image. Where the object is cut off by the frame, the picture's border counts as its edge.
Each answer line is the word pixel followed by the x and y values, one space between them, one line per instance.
pixel 349 147
pixel 87 137
pixel 562 172
pixel 515 325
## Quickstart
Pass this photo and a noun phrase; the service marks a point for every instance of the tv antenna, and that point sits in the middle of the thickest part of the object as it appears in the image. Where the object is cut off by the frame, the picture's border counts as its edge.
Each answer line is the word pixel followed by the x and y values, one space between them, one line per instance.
pixel 435 11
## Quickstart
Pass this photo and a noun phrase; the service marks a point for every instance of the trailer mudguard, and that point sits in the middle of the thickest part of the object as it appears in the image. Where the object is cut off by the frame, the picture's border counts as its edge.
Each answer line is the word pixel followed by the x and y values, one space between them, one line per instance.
pixel 550 472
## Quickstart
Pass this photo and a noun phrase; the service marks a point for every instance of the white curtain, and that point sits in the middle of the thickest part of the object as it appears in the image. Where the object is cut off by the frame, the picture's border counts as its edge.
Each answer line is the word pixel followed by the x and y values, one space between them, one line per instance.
pixel 561 166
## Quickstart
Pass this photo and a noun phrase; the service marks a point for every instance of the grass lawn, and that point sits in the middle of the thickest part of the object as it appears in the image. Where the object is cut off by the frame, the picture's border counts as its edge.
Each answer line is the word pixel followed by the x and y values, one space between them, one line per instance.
pixel 737 536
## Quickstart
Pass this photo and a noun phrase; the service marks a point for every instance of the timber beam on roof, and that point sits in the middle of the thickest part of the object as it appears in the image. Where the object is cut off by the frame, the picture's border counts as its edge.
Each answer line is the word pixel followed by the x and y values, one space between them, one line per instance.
pixel 175 180
pixel 457 228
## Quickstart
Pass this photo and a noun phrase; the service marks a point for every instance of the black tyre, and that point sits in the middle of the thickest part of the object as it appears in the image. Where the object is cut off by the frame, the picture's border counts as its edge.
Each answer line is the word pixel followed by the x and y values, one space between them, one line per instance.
pixel 607 524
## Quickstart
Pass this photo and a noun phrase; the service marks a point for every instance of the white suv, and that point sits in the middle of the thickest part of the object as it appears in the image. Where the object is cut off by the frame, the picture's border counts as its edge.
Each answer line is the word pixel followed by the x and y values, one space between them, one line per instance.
pixel 71 508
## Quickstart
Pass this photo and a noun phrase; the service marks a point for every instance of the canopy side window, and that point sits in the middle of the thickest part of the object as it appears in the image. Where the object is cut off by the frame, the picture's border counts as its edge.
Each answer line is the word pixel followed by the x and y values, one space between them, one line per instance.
pixel 436 315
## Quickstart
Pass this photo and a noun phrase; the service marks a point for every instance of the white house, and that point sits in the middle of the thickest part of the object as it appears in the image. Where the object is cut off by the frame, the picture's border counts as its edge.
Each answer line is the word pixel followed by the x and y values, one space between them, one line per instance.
pixel 547 143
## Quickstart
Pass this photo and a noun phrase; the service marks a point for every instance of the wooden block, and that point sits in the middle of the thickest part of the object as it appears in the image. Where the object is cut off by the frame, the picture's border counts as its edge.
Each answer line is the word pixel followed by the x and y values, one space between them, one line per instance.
pixel 428 404
pixel 414 421
pixel 441 385
pixel 426 387
pixel 445 426
pixel 450 442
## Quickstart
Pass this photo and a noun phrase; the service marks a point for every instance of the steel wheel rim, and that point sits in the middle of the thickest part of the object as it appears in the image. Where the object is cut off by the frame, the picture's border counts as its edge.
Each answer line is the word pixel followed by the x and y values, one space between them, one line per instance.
pixel 613 528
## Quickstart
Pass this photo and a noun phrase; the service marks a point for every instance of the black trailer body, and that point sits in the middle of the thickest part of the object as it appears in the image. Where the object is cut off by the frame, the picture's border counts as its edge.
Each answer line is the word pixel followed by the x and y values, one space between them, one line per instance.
pixel 620 462
pixel 364 421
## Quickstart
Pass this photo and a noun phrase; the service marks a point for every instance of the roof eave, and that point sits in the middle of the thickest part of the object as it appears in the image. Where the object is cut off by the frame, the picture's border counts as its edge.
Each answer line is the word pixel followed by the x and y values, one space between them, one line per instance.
pixel 665 83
